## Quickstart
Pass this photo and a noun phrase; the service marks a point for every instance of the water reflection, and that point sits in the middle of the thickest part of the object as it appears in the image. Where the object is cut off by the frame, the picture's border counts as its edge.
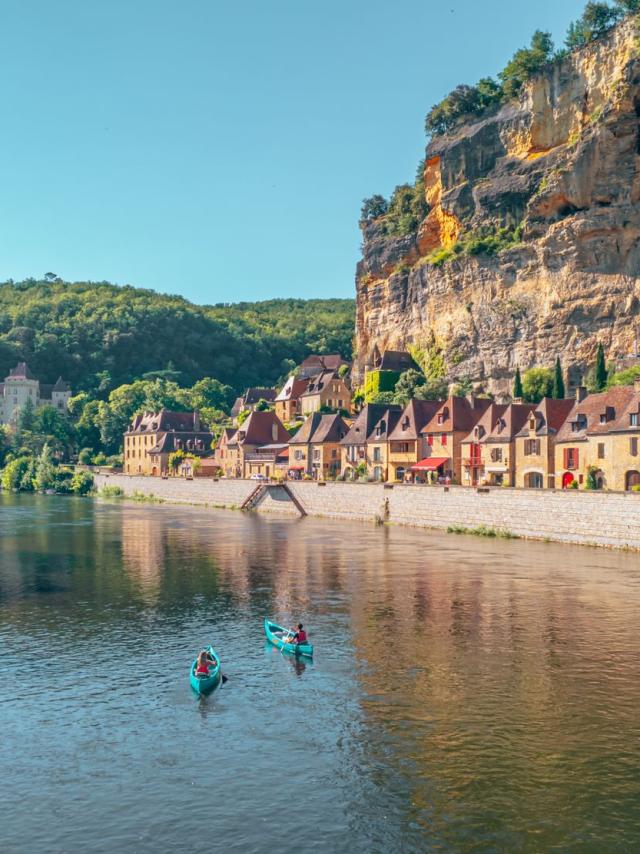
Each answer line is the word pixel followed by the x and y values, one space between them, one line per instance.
pixel 466 694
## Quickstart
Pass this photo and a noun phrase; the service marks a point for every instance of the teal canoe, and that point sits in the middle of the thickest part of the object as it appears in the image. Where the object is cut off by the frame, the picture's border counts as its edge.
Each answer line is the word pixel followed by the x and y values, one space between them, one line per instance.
pixel 204 684
pixel 275 634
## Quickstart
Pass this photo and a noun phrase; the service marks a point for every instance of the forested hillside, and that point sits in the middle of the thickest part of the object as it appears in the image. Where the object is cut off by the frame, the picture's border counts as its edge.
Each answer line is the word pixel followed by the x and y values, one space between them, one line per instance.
pixel 100 336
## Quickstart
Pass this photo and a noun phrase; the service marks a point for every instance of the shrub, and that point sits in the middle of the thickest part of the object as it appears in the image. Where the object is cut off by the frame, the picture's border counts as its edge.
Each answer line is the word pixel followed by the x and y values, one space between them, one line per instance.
pixel 14 471
pixel 85 456
pixel 111 492
pixel 82 483
pixel 373 208
pixel 526 63
pixel 462 101
pixel 537 383
pixel 100 459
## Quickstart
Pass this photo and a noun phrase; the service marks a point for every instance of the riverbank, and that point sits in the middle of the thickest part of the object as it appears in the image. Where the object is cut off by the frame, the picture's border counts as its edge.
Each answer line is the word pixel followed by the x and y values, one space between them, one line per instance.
pixel 609 520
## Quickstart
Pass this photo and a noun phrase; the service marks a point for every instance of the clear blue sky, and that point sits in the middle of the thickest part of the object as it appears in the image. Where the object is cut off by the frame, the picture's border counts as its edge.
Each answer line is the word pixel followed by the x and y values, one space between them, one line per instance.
pixel 222 150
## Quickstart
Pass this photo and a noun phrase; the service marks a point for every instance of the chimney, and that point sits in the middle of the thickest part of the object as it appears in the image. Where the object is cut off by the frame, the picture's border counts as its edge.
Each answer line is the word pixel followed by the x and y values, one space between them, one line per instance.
pixel 581 393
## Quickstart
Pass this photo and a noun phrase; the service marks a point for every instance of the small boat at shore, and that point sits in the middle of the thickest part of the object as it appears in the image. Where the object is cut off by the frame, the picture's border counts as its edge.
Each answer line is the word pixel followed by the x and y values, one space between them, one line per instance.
pixel 277 635
pixel 204 684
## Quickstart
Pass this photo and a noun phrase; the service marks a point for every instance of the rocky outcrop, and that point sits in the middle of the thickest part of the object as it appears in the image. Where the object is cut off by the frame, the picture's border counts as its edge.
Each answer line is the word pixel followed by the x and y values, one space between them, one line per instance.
pixel 560 169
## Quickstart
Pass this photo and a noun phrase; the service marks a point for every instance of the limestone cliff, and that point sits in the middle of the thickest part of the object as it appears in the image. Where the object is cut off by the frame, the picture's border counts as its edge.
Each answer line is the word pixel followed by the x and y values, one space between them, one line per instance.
pixel 561 168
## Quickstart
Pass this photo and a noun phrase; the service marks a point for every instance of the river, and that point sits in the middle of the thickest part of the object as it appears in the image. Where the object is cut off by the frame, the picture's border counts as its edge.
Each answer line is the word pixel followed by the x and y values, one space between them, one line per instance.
pixel 466 694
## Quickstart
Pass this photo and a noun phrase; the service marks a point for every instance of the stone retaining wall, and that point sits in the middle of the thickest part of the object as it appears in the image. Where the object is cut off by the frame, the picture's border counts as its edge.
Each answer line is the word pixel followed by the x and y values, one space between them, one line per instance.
pixel 596 518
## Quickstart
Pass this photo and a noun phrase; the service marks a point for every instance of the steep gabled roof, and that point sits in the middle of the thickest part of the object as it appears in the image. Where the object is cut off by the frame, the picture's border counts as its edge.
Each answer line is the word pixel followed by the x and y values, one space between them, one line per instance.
pixel 597 414
pixel 61 385
pixel 486 423
pixel 292 389
pixel 385 424
pixel 319 428
pixel 251 397
pixel 549 415
pixel 21 372
pixel 191 442
pixel 457 414
pixel 165 421
pixel 364 423
pixel 396 360
pixel 319 382
pixel 316 364
pixel 261 428
pixel 305 432
pixel 416 414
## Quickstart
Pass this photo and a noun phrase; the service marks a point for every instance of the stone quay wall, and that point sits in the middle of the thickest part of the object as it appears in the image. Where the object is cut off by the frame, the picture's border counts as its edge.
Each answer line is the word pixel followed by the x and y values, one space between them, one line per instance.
pixel 593 518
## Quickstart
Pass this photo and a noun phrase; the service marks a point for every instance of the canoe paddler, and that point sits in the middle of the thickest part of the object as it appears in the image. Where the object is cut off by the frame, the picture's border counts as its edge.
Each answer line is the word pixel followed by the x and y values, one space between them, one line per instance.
pixel 204 660
pixel 298 635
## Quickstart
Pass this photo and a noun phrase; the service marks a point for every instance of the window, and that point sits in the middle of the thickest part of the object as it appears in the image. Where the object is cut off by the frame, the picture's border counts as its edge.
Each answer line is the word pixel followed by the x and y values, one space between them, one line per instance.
pixel 377 455
pixel 334 454
pixel 496 455
pixel 571 458
pixel 377 473
pixel 633 447
pixel 531 447
pixel 633 419
pixel 600 450
pixel 405 422
pixel 340 403
pixel 316 454
pixel 298 455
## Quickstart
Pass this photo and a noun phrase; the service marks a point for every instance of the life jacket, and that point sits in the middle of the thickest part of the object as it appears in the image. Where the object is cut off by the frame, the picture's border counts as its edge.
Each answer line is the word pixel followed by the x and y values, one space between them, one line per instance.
pixel 302 636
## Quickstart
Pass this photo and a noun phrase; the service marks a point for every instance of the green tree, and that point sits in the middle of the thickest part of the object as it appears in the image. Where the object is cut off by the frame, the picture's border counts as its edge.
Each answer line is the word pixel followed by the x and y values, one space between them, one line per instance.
pixel 558 382
pixel 537 383
pixel 13 473
pixel 526 63
pixel 517 385
pixel 373 208
pixel 82 483
pixel 601 374
pixel 627 377
pixel 434 389
pixel 175 460
pixel 627 6
pixel 209 393
pixel 384 397
pixel 26 416
pixel 408 384
pixel 85 456
pixel 45 470
pixel 596 20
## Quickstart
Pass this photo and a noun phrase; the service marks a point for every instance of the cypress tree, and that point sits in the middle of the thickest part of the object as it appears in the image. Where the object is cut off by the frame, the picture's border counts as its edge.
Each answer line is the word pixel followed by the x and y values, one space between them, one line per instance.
pixel 517 384
pixel 558 382
pixel 601 369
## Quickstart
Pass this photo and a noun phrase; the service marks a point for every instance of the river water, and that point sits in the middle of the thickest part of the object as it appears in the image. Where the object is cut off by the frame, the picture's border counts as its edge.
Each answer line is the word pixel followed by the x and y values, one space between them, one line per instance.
pixel 466 694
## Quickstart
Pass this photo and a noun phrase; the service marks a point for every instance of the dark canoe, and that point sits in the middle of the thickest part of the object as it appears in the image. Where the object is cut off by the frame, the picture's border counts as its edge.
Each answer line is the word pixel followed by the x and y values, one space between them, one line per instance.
pixel 204 684
pixel 275 635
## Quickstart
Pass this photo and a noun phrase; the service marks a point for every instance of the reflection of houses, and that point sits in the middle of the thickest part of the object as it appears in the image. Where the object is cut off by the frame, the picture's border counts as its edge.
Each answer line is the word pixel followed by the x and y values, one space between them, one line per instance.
pixel 601 434
pixel 535 444
pixel 326 390
pixel 315 448
pixel 287 403
pixel 354 444
pixel 151 437
pixel 251 398
pixel 445 432
pixel 408 450
pixel 21 386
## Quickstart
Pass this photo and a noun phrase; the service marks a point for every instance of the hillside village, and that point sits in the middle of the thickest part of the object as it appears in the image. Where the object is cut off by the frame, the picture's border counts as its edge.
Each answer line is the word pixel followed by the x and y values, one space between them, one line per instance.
pixel 317 427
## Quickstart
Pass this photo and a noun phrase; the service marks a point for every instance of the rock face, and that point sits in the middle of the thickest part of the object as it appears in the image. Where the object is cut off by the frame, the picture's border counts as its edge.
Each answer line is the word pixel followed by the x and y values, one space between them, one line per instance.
pixel 563 165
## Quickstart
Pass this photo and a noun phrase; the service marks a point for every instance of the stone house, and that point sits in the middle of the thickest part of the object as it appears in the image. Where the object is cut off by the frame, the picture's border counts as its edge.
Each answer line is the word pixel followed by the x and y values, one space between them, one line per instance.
pixel 315 364
pixel 250 399
pixel 445 432
pixel 271 461
pixel 314 451
pixel 601 434
pixel 287 402
pixel 535 444
pixel 408 454
pixel 489 450
pixel 22 386
pixel 326 390
pixel 152 436
pixel 260 429
pixel 378 444
pixel 354 446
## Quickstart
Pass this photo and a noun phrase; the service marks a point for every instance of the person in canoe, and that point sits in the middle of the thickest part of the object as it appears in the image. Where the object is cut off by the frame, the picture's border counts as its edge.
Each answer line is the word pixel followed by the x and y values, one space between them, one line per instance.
pixel 204 662
pixel 298 635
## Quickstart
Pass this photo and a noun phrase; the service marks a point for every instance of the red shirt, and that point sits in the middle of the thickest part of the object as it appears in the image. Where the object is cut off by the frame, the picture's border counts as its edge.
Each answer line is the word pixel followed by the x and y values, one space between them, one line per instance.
pixel 301 636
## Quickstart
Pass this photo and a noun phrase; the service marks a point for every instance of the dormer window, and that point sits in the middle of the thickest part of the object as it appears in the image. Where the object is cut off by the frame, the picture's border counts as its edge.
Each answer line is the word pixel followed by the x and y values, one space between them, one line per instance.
pixel 608 415
pixel 634 420
pixel 532 423
pixel 405 422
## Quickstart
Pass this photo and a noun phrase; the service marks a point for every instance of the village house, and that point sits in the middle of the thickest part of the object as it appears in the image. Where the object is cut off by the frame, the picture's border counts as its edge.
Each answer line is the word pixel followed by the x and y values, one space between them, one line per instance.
pixel 601 435
pixel 224 458
pixel 488 454
pixel 326 390
pixel 378 444
pixel 535 444
pixel 384 369
pixel 287 402
pixel 446 431
pixel 151 437
pixel 408 454
pixel 354 456
pixel 314 365
pixel 250 399
pixel 241 449
pixel 268 461
pixel 22 386
pixel 314 451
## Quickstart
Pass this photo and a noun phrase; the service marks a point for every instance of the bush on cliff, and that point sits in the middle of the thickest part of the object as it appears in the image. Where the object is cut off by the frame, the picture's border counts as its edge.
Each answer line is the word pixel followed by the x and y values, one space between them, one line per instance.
pixel 463 101
pixel 526 63
pixel 596 20
pixel 373 208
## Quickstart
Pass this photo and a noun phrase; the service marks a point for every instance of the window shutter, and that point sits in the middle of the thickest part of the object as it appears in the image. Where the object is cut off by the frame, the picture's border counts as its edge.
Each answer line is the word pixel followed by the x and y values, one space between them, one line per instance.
pixel 565 458
pixel 577 458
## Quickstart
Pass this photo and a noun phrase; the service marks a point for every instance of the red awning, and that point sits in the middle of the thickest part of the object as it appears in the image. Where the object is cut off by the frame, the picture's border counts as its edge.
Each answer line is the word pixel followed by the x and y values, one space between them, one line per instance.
pixel 430 464
pixel 296 468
